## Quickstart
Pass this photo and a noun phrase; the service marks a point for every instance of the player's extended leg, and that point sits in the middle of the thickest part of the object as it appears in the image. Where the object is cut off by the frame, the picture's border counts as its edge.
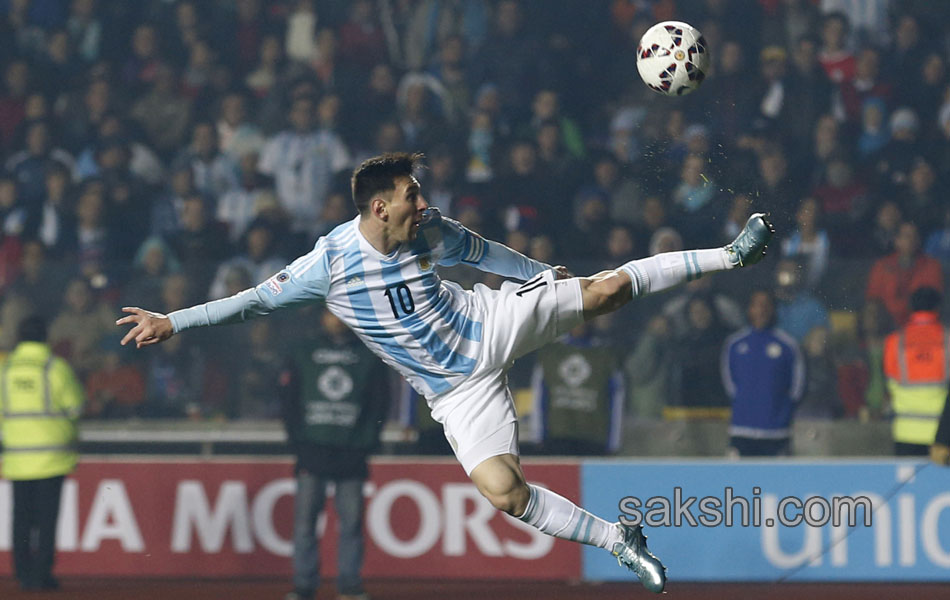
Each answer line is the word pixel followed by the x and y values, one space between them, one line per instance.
pixel 501 480
pixel 609 290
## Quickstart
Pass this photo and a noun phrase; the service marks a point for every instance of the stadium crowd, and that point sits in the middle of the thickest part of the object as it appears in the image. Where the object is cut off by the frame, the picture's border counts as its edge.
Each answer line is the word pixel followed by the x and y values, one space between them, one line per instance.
pixel 163 153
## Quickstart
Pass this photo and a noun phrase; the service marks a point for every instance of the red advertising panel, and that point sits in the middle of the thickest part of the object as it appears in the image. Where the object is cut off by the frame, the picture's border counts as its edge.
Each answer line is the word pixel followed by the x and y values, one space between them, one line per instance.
pixel 212 518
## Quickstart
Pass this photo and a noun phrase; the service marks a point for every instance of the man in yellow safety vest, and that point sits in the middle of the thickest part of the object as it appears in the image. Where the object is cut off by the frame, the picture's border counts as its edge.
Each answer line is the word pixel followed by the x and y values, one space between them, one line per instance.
pixel 40 402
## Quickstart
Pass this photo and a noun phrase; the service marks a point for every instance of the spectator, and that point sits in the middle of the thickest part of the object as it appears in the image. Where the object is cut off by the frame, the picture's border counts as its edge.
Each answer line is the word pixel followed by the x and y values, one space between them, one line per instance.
pixel 887 223
pixel 907 52
pixel 237 136
pixel 897 157
pixel 835 58
pixel 237 207
pixel 16 80
pixel 820 399
pixel 866 83
pixel 696 366
pixel 214 173
pixel 267 74
pixel 258 259
pixel 153 261
pixel 85 29
pixel 162 113
pixel 729 90
pixel 874 133
pixel 930 91
pixel 695 196
pixel 764 374
pixel 116 389
pixel 51 220
pixel 29 166
pixel 808 244
pixel 725 310
pixel 78 330
pixel 143 66
pixel 256 395
pixel 362 42
pixel 919 198
pixel 136 160
pixel 450 71
pixel 302 161
pixel 510 57
pixel 938 242
pixel 422 110
pixel 896 276
pixel 874 326
pixel 798 311
pixel 806 88
pixel 844 203
pixel 649 370
pixel 175 383
pixel 201 242
pixel 37 290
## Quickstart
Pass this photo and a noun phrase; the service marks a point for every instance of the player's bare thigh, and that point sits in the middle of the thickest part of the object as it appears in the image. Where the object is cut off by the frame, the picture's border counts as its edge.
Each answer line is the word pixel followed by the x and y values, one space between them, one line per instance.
pixel 501 480
pixel 605 292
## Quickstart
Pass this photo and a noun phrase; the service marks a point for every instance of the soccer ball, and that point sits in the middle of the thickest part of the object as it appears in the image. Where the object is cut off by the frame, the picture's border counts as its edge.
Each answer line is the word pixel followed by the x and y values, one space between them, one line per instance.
pixel 672 58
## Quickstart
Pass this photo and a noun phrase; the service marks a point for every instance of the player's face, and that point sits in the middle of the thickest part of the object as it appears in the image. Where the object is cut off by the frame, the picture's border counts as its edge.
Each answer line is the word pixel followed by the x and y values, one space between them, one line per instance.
pixel 405 209
pixel 761 310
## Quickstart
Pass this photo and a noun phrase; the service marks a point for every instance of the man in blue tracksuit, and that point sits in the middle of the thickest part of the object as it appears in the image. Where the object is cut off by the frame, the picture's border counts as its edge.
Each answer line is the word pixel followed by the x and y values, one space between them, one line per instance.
pixel 764 373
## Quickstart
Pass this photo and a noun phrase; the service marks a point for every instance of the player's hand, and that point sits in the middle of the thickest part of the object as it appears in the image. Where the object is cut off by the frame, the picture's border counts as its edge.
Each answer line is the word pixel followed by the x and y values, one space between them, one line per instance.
pixel 562 272
pixel 150 327
pixel 940 454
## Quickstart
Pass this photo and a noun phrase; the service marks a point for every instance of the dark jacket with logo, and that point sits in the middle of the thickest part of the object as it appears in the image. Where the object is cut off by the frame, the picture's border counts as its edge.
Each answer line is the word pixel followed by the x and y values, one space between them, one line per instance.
pixel 334 397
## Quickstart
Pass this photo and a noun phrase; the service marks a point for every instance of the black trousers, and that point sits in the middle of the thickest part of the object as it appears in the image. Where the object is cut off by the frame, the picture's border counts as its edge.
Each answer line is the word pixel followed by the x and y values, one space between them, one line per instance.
pixel 905 449
pixel 761 447
pixel 35 511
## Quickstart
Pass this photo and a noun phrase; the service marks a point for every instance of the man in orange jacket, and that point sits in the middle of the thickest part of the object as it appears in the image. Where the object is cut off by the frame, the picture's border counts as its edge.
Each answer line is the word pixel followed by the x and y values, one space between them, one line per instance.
pixel 917 367
pixel 895 277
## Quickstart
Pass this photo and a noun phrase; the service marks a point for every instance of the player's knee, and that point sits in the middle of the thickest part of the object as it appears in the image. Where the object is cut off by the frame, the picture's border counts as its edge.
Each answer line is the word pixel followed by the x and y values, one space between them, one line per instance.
pixel 513 501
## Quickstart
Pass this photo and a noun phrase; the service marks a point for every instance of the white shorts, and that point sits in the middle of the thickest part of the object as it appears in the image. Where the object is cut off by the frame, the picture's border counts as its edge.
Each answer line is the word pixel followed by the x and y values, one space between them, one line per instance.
pixel 478 415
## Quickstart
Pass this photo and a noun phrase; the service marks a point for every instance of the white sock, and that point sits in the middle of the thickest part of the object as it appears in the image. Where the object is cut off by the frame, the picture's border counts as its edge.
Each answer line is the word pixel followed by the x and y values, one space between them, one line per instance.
pixel 559 517
pixel 663 271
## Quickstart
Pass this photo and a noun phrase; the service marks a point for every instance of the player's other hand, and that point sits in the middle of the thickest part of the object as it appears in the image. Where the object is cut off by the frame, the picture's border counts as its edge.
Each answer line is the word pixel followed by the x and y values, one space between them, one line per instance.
pixel 562 272
pixel 940 454
pixel 149 327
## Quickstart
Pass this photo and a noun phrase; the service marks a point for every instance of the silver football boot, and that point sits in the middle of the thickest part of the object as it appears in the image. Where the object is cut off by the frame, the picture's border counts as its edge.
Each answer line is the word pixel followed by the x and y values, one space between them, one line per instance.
pixel 633 553
pixel 749 246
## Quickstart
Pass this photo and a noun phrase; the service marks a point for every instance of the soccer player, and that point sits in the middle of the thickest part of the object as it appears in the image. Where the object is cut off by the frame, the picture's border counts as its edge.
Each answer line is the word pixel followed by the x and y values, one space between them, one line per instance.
pixel 377 273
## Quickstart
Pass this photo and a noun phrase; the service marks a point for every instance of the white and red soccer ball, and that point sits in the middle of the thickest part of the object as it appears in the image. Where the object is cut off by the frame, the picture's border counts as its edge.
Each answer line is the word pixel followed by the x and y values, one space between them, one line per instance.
pixel 672 58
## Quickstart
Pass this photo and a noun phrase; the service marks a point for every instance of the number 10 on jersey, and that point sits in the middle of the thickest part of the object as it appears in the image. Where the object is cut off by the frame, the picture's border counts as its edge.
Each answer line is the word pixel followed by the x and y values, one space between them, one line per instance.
pixel 401 294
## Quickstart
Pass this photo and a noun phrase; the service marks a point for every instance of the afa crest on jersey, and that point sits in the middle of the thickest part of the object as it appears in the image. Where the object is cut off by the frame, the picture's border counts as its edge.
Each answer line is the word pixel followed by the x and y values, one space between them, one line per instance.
pixel 425 263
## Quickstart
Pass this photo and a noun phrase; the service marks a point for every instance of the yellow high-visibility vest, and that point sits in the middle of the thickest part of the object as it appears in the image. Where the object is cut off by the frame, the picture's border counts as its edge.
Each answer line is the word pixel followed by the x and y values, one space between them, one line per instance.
pixel 917 366
pixel 40 402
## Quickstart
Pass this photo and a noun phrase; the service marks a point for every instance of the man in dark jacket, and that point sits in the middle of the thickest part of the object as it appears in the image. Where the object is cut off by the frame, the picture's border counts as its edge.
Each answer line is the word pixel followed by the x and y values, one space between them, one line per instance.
pixel 763 372
pixel 334 400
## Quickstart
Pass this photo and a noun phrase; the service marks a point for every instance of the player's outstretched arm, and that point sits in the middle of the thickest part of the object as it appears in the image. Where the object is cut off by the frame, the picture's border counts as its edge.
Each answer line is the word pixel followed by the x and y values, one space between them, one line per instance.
pixel 149 327
pixel 305 280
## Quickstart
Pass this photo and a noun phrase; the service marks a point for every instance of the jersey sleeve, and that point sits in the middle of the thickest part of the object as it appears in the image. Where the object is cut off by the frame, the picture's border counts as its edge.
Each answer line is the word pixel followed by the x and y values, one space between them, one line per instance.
pixel 305 280
pixel 463 245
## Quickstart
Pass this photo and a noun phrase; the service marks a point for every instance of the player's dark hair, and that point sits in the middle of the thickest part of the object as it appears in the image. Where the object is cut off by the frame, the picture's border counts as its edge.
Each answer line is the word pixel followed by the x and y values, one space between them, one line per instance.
pixel 32 329
pixel 925 298
pixel 378 174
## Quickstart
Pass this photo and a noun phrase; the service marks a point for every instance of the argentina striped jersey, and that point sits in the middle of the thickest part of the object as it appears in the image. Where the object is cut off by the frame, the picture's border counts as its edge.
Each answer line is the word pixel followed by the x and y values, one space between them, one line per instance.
pixel 428 329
